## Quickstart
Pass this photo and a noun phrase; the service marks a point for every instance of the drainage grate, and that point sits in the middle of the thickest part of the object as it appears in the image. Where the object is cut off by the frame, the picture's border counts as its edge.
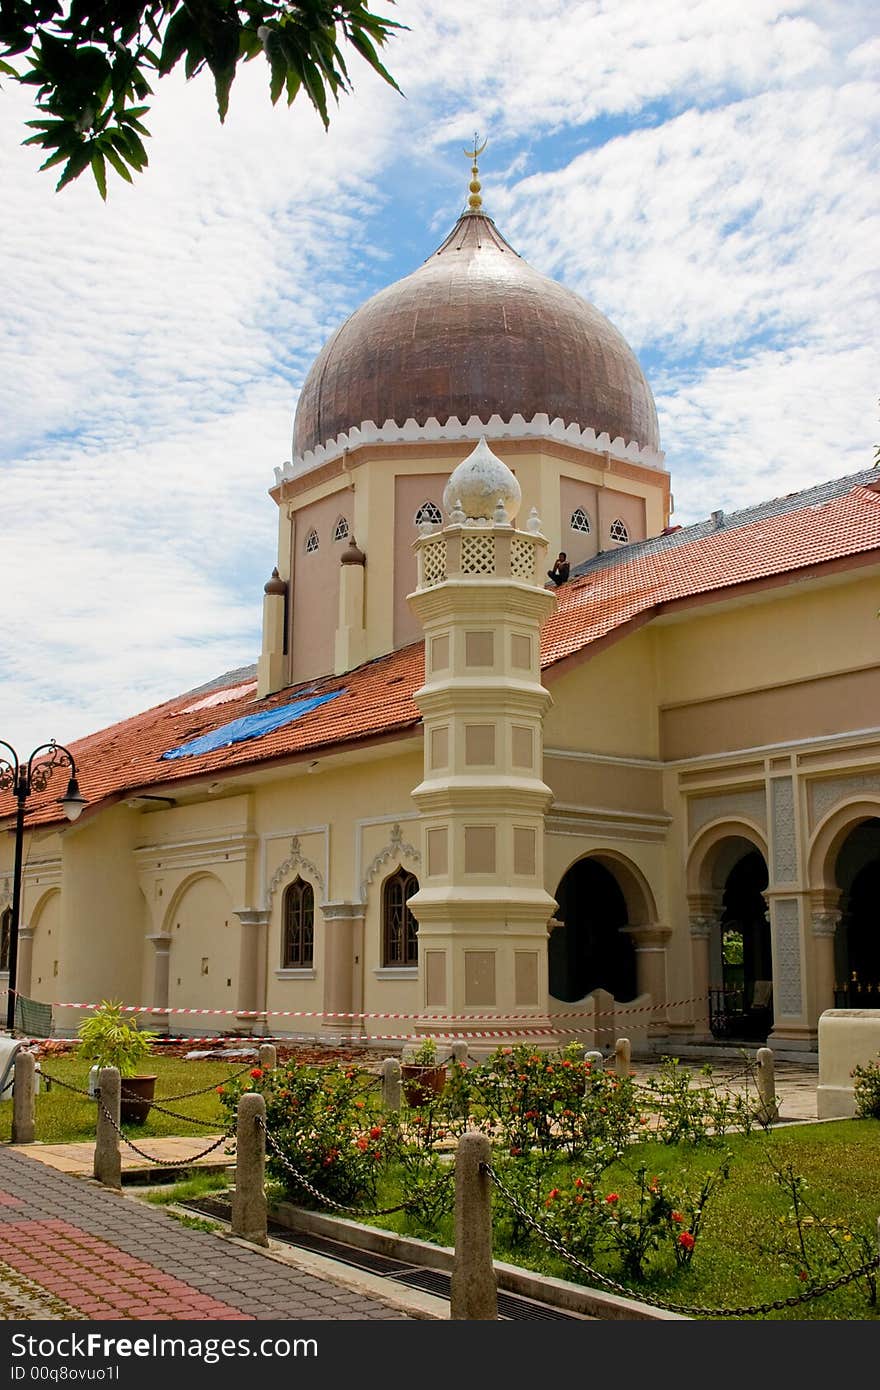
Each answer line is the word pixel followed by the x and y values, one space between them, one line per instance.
pixel 512 1307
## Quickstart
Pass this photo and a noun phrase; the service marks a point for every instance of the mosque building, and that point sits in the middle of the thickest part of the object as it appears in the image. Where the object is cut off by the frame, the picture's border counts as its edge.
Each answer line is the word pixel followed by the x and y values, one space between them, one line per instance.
pixel 452 796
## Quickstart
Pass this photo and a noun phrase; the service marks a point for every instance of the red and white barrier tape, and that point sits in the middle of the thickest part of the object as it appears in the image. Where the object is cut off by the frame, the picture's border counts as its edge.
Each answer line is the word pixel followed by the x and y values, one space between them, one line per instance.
pixel 389 1017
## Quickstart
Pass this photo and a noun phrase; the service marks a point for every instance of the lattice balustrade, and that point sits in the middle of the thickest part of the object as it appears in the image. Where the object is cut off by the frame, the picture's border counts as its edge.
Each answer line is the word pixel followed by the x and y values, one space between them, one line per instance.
pixel 433 564
pixel 477 554
pixel 522 558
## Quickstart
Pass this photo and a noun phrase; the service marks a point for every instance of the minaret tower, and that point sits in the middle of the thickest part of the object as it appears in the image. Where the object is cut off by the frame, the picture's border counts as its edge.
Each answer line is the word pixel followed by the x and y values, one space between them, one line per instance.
pixel 482 908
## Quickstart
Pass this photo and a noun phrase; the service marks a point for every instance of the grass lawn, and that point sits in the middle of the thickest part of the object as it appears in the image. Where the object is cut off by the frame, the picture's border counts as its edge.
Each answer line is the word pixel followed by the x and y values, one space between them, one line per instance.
pixel 748 1251
pixel 63 1117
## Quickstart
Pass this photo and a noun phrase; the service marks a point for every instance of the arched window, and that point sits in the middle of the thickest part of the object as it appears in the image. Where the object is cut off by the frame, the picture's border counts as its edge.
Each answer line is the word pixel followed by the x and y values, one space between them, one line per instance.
pixel 5 937
pixel 312 542
pixel 340 530
pixel 580 521
pixel 298 924
pixel 618 530
pixel 428 511
pixel 400 945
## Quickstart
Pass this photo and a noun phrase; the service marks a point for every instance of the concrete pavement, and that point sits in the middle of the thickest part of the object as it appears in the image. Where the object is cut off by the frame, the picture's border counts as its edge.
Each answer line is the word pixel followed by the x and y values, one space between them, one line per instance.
pixel 71 1249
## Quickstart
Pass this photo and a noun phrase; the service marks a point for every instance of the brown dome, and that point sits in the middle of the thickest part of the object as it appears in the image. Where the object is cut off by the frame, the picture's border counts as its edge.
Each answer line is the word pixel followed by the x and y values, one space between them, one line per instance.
pixel 475 331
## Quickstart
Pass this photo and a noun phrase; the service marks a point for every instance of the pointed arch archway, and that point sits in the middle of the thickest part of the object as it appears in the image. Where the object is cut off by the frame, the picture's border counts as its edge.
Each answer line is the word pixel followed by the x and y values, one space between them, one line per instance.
pixel 601 897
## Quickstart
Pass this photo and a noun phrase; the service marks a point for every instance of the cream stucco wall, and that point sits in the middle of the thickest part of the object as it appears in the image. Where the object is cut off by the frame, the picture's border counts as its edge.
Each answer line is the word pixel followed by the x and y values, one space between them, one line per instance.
pixel 385 480
pixel 641 778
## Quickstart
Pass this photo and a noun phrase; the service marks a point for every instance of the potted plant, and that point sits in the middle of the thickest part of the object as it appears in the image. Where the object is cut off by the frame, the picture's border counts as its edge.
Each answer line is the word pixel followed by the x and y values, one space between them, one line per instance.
pixel 110 1040
pixel 422 1076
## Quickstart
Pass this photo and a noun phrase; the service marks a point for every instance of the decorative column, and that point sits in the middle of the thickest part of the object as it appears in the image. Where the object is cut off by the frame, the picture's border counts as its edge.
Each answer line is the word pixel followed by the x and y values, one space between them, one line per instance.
pixel 272 665
pixel 824 921
pixel 482 907
pixel 343 966
pixel 704 916
pixel 161 944
pixel 650 944
pixel 351 636
pixel 252 967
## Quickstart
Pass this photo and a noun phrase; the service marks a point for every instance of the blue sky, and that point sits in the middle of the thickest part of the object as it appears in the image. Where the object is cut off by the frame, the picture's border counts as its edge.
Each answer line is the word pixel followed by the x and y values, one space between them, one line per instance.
pixel 706 173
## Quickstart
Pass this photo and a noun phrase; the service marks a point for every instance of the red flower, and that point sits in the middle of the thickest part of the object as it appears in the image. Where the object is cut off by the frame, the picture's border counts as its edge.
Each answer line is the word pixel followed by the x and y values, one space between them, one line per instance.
pixel 362 1144
pixel 515 1152
pixel 612 1198
pixel 257 1073
pixel 686 1240
pixel 551 1196
pixel 803 1276
pixel 221 1090
pixel 677 1217
pixel 566 1062
pixel 376 1132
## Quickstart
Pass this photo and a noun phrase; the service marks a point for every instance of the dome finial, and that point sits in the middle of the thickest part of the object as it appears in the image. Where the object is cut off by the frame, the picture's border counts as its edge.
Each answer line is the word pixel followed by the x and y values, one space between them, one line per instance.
pixel 475 202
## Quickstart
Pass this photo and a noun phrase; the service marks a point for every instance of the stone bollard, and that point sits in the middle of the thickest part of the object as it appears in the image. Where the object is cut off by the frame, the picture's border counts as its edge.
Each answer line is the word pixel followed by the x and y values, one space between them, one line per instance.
pixel 391 1084
pixel 268 1057
pixel 23 1098
pixel 460 1053
pixel 474 1291
pixel 623 1057
pixel 249 1208
pixel 108 1161
pixel 768 1107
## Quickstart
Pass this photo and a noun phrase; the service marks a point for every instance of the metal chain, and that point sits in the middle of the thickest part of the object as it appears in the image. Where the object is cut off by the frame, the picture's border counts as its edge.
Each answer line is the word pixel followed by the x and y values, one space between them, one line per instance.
pixel 175 1114
pixel 329 1201
pixel 215 1085
pixel 184 1095
pixel 688 1310
pixel 65 1085
pixel 161 1162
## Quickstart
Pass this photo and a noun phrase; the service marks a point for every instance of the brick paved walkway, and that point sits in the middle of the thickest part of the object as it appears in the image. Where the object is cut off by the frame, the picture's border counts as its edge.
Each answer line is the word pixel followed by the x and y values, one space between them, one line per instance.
pixel 70 1249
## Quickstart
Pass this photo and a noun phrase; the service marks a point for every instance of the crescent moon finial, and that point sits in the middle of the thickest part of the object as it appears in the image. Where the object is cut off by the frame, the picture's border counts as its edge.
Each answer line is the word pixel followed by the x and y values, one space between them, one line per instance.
pixel 475 202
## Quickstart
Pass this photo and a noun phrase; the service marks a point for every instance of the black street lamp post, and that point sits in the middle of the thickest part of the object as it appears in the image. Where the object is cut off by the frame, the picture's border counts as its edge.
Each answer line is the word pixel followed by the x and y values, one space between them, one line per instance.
pixel 22 779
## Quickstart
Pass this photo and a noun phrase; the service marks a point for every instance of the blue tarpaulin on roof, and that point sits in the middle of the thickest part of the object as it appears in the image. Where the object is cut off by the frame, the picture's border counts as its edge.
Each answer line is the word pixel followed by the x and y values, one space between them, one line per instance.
pixel 250 726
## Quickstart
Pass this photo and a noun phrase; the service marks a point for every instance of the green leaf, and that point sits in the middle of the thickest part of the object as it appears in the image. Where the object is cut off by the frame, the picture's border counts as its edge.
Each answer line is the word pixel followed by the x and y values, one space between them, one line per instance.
pixel 178 35
pixel 54 159
pixel 135 148
pixel 222 85
pixel 5 67
pixel 117 163
pixel 99 169
pixel 278 68
pixel 79 160
pixel 360 41
pixel 315 88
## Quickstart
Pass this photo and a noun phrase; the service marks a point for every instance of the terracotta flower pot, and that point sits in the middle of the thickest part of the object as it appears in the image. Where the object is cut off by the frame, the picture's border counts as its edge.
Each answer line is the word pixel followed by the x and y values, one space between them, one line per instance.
pixel 421 1084
pixel 136 1094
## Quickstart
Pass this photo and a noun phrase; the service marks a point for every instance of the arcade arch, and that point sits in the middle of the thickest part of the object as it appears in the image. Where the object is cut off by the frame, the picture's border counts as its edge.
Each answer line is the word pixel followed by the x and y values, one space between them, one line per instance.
pixel 730 928
pixel 844 868
pixel 599 897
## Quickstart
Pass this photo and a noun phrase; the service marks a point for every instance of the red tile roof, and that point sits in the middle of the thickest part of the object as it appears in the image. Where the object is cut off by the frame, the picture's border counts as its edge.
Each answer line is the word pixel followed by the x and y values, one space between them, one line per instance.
pixel 594 604
pixel 127 757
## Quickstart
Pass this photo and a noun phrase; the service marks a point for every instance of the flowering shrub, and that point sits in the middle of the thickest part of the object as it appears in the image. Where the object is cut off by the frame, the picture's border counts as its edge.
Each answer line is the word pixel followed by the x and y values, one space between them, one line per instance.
pixel 322 1124
pixel 589 1221
pixel 691 1112
pixel 866 1090
pixel 552 1101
